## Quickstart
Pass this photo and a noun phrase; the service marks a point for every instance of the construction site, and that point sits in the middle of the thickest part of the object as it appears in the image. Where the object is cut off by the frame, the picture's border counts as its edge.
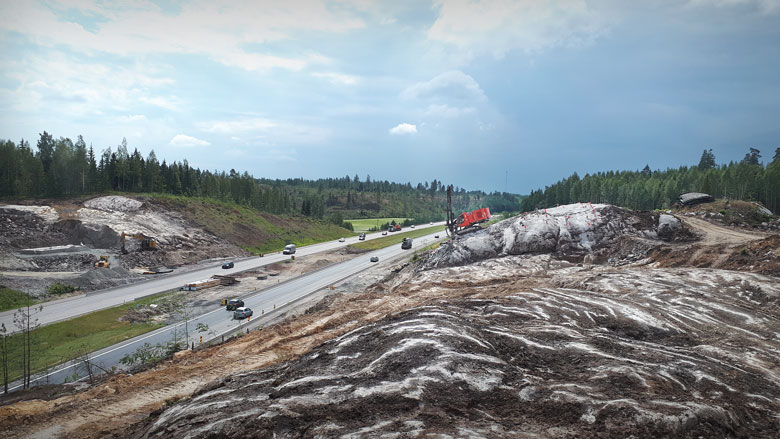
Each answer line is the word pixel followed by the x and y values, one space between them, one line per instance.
pixel 585 320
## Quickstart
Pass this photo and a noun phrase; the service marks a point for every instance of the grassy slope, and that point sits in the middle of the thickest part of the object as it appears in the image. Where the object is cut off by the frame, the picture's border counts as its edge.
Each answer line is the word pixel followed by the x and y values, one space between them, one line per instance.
pixel 248 228
pixel 12 299
pixel 362 225
pixel 733 211
pixel 396 238
pixel 59 342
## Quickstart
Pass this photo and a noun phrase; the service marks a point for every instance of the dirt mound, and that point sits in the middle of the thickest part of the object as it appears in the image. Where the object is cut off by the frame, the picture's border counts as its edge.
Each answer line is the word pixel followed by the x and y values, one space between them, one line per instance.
pixel 96 236
pixel 26 229
pixel 569 232
pixel 552 362
pixel 114 203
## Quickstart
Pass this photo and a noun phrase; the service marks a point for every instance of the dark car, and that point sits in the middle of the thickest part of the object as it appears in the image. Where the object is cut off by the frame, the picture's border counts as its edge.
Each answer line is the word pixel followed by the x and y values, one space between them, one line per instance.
pixel 406 244
pixel 362 237
pixel 374 258
pixel 227 265
pixel 436 236
pixel 242 313
pixel 234 304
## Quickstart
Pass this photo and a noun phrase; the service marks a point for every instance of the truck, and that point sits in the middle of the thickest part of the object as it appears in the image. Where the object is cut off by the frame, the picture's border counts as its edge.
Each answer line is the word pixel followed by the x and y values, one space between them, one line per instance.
pixel 397 228
pixel 406 244
pixel 289 249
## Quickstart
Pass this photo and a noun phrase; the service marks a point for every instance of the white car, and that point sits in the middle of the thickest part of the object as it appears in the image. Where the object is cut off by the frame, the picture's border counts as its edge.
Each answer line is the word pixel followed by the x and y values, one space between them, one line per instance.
pixel 384 232
pixel 412 225
pixel 341 239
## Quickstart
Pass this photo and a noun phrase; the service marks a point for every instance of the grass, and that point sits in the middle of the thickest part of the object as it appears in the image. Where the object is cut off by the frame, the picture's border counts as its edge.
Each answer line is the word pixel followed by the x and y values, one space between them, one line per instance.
pixel 12 299
pixel 362 225
pixel 62 341
pixel 395 238
pixel 248 228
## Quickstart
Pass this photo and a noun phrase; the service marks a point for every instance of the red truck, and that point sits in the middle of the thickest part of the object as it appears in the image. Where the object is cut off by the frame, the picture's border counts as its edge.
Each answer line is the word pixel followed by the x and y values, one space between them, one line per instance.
pixel 467 219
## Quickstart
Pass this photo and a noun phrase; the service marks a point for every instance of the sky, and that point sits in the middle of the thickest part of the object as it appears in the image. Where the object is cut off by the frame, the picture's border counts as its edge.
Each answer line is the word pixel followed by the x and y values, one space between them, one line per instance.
pixel 487 95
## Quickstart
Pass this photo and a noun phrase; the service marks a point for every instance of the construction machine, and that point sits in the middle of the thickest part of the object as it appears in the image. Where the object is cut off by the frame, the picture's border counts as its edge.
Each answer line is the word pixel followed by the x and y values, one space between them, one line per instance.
pixel 103 262
pixel 466 222
pixel 147 242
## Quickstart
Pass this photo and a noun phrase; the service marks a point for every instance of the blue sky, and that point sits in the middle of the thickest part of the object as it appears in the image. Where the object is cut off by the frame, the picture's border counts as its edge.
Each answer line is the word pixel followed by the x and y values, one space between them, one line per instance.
pixel 489 95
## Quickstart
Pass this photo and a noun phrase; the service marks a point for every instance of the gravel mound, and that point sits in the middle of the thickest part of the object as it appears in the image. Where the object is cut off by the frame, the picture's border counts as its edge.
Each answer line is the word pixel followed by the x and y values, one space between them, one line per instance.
pixel 566 231
pixel 114 203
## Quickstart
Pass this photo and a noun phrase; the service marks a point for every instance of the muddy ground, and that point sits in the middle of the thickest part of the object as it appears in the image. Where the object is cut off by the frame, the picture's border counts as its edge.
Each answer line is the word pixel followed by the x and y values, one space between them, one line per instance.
pixel 646 342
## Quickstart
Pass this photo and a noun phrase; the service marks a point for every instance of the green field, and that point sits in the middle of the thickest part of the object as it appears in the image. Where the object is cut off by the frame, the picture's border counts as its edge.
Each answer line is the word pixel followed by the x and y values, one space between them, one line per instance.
pixel 362 225
pixel 62 341
pixel 12 299
pixel 396 238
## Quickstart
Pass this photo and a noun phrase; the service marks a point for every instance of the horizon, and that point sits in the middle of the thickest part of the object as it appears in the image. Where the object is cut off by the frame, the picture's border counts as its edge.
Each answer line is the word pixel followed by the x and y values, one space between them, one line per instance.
pixel 456 91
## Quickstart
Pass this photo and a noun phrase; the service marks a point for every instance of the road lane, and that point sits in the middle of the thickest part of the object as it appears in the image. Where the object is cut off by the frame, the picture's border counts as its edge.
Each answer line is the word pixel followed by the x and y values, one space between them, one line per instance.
pixel 220 321
pixel 64 309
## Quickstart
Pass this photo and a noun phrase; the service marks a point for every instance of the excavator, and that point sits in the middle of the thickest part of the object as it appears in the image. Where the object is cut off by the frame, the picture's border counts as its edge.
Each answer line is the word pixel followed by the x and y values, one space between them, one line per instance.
pixel 466 222
pixel 147 242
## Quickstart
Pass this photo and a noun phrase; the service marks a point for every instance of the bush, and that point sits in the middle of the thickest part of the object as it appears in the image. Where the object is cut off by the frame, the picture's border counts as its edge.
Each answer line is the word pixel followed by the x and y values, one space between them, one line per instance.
pixel 60 288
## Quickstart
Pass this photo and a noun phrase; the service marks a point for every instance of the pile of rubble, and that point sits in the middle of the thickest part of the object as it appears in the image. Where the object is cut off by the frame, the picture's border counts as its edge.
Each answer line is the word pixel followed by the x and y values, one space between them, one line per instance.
pixel 571 232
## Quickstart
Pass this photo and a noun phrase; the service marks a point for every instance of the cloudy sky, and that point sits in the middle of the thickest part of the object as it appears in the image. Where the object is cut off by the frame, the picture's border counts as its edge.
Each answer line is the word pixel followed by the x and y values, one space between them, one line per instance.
pixel 489 95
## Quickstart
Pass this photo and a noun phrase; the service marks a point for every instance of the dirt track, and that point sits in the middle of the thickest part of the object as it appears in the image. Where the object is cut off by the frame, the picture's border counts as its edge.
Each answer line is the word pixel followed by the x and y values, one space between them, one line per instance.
pixel 712 234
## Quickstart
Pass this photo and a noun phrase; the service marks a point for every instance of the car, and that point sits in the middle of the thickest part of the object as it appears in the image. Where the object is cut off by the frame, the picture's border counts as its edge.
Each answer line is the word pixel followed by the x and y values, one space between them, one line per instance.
pixel 431 223
pixel 341 239
pixel 227 265
pixel 384 232
pixel 412 225
pixel 436 236
pixel 374 258
pixel 234 304
pixel 406 244
pixel 242 313
pixel 362 237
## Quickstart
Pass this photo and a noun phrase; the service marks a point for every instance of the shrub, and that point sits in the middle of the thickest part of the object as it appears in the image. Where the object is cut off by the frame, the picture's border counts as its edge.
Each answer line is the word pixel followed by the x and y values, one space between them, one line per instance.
pixel 60 288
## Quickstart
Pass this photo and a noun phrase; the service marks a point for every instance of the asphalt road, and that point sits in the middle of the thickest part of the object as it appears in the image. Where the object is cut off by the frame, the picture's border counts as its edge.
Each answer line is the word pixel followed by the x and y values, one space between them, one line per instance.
pixel 265 304
pixel 64 309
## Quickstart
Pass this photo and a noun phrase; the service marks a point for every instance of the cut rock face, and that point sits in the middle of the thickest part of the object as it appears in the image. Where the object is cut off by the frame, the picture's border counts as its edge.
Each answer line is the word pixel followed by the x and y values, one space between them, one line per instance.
pixel 584 363
pixel 574 229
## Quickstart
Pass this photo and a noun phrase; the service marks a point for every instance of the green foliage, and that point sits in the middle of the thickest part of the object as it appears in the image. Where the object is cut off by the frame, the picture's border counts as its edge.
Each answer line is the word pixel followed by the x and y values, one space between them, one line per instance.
pixel 746 180
pixel 148 354
pixel 58 288
pixel 12 299
pixel 63 168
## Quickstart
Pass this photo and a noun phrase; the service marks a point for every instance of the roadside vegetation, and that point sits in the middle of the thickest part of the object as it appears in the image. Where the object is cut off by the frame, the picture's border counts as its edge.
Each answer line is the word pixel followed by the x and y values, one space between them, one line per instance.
pixel 60 342
pixel 395 238
pixel 12 299
pixel 369 224
pixel 255 231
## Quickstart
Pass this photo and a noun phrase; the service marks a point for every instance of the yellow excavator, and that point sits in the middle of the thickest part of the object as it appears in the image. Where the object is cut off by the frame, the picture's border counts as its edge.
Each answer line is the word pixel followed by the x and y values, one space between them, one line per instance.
pixel 103 262
pixel 147 242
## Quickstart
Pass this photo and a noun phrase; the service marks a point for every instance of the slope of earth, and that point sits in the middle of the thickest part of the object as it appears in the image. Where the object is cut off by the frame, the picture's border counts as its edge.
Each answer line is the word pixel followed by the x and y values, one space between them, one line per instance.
pixel 633 354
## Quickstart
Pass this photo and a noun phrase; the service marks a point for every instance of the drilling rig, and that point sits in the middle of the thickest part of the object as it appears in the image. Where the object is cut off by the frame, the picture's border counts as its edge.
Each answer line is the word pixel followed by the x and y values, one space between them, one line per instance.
pixel 466 222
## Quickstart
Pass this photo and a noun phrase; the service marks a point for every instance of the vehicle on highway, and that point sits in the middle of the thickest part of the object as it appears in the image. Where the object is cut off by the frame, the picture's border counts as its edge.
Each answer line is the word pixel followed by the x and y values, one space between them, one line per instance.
pixel 242 313
pixel 341 239
pixel 412 226
pixel 289 249
pixel 384 232
pixel 431 223
pixel 362 236
pixel 436 236
pixel 227 265
pixel 374 258
pixel 234 304
pixel 406 244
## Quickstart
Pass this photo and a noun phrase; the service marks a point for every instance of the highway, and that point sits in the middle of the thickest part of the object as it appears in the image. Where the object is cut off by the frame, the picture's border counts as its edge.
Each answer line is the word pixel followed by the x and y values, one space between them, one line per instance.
pixel 56 310
pixel 265 304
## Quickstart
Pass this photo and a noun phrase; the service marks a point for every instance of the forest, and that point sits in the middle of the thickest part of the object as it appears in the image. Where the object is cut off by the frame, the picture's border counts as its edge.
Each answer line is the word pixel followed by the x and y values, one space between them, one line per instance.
pixel 62 168
pixel 747 179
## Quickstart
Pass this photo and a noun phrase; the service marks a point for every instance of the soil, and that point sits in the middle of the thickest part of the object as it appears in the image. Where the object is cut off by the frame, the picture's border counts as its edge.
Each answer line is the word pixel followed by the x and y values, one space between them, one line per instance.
pixel 633 336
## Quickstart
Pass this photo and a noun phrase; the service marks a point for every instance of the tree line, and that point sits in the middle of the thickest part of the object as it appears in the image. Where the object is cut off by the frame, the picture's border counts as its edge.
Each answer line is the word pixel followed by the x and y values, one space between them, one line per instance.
pixel 748 179
pixel 60 167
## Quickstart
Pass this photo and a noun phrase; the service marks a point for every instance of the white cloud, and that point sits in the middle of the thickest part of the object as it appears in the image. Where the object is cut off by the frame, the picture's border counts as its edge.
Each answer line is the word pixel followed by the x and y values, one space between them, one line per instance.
pixel 183 140
pixel 453 85
pixel 228 33
pixel 337 78
pixel 496 27
pixel 403 128
pixel 237 126
pixel 260 130
pixel 444 110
